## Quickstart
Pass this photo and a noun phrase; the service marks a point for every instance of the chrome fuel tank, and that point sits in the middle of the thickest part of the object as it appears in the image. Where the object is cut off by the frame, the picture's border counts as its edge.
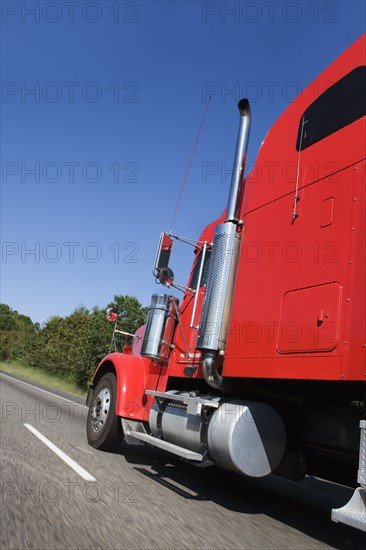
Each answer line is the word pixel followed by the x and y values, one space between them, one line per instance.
pixel 242 436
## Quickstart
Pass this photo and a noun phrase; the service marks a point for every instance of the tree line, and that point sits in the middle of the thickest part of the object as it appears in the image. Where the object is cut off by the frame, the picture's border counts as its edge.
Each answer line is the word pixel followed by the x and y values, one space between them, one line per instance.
pixel 71 346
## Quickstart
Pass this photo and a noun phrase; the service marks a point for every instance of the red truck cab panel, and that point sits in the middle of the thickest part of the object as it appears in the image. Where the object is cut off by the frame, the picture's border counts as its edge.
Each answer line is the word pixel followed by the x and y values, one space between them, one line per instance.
pixel 299 301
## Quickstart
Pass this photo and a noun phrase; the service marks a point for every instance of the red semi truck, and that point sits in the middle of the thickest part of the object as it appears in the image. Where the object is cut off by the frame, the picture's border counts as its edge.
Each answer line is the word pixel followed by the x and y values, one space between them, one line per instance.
pixel 261 369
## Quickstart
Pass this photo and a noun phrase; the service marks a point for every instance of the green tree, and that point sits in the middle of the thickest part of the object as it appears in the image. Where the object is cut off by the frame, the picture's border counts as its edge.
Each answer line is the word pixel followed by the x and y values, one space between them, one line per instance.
pixel 18 334
pixel 73 346
pixel 132 314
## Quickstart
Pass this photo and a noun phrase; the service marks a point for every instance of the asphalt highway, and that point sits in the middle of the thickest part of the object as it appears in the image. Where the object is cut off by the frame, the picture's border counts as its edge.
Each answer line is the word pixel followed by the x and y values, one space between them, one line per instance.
pixel 57 492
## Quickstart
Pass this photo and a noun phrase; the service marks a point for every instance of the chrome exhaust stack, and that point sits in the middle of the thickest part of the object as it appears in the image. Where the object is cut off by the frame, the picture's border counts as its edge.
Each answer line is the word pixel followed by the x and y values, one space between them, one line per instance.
pixel 237 181
pixel 216 307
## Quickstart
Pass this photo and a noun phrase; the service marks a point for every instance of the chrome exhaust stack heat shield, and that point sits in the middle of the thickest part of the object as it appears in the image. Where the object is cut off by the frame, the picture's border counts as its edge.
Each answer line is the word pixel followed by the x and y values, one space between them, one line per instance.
pixel 219 290
pixel 216 308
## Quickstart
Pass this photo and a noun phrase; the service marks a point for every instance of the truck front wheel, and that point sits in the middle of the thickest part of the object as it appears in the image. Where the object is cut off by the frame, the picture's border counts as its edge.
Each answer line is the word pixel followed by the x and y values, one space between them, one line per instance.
pixel 104 429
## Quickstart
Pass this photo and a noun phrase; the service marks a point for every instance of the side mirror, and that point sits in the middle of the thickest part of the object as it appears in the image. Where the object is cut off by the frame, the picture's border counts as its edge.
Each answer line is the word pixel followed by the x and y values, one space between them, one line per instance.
pixel 166 276
pixel 162 254
pixel 112 314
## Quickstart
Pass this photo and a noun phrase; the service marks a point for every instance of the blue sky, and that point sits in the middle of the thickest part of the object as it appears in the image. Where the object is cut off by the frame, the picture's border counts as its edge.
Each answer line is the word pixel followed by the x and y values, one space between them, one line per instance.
pixel 93 158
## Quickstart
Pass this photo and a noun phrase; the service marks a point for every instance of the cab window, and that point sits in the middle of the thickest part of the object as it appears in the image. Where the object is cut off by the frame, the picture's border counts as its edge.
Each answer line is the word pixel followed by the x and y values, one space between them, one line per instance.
pixel 338 106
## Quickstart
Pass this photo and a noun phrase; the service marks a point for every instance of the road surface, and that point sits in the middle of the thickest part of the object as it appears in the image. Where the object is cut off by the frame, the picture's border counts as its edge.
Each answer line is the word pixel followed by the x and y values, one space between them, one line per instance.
pixel 57 492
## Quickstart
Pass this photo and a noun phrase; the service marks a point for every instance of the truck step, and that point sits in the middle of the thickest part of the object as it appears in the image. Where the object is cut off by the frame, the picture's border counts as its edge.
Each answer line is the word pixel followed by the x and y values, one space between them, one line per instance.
pixel 194 403
pixel 166 446
pixel 354 512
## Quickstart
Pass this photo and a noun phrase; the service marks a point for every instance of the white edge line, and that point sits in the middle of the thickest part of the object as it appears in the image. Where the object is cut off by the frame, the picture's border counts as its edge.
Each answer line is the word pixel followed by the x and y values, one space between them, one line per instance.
pixel 69 461
pixel 44 391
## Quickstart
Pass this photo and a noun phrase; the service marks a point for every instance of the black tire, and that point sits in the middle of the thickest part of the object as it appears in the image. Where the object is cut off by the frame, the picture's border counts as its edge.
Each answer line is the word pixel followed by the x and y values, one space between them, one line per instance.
pixel 104 428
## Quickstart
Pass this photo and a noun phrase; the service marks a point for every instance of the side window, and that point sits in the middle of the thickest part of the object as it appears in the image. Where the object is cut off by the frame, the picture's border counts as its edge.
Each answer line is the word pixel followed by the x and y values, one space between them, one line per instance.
pixel 194 280
pixel 341 104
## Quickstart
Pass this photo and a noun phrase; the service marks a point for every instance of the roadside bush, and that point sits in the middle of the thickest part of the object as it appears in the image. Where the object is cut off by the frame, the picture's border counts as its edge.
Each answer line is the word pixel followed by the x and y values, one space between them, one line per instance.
pixel 71 346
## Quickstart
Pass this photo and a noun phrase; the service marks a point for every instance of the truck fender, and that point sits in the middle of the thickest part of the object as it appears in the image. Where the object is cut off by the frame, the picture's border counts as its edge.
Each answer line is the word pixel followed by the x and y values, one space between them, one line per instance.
pixel 133 376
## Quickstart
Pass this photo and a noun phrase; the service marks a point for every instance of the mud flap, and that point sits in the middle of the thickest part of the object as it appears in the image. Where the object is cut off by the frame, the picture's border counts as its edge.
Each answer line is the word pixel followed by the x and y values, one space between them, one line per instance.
pixel 89 396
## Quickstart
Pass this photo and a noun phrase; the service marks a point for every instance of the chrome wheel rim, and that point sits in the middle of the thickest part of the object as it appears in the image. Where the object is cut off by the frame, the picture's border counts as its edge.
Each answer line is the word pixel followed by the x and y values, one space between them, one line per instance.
pixel 100 409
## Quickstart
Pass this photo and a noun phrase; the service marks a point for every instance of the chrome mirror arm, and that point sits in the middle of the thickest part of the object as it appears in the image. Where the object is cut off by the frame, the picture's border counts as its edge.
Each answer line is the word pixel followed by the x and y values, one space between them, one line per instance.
pixel 204 249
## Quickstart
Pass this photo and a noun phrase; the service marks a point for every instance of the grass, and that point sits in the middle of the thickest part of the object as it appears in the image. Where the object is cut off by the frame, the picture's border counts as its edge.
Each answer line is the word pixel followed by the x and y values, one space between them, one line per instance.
pixel 40 377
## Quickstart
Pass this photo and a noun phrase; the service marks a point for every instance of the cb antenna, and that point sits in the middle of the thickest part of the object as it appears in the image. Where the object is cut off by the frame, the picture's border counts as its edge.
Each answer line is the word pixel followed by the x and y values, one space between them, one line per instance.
pixel 189 164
